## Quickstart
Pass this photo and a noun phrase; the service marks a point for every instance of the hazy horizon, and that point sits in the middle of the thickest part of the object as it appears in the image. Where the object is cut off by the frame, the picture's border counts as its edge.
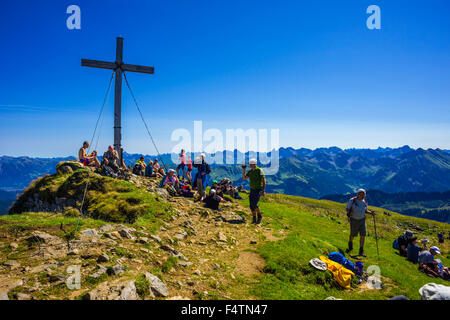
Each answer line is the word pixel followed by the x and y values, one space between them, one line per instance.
pixel 313 70
pixel 283 147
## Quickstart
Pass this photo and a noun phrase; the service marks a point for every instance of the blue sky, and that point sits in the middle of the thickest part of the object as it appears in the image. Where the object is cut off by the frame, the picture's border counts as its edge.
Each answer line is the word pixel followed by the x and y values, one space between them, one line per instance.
pixel 311 69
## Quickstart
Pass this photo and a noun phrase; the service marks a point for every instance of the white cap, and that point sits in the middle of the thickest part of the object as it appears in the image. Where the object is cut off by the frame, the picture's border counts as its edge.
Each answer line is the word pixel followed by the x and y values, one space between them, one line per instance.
pixel 202 155
pixel 253 161
pixel 361 190
pixel 212 191
pixel 171 170
pixel 436 249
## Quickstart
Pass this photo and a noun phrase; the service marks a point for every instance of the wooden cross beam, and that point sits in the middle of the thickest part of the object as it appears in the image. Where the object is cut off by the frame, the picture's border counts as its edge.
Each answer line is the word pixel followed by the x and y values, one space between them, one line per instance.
pixel 119 67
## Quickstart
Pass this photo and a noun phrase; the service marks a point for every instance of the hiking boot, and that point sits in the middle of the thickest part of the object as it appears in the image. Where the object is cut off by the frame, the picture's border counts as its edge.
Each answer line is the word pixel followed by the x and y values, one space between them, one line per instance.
pixel 362 253
pixel 258 221
pixel 350 247
pixel 254 220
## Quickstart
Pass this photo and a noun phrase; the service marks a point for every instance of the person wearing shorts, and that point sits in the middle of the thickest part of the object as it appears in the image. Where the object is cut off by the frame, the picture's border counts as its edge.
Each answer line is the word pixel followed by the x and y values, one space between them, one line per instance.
pixel 182 164
pixel 189 168
pixel 257 188
pixel 356 211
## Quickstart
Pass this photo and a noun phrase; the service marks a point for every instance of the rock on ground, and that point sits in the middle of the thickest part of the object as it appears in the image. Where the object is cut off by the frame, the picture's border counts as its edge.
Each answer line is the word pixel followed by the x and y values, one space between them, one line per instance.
pixel 116 290
pixel 157 287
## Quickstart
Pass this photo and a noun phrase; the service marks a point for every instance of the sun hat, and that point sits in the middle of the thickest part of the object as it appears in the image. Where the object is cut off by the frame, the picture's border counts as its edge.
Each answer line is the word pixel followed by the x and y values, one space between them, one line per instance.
pixel 436 249
pixel 409 234
pixel 318 264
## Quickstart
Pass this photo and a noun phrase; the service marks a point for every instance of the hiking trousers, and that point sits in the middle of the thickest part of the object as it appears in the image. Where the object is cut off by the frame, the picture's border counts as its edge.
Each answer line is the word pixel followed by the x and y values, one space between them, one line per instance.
pixel 255 195
pixel 200 187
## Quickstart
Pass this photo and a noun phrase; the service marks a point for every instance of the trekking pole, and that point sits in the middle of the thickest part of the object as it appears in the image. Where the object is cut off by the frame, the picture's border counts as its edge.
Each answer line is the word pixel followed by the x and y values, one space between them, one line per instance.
pixel 376 237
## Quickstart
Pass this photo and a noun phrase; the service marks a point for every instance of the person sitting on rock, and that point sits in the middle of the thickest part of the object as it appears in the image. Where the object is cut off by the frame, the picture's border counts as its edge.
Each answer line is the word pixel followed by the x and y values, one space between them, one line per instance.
pixel 157 169
pixel 88 160
pixel 111 159
pixel 171 181
pixel 139 167
pixel 149 170
pixel 212 201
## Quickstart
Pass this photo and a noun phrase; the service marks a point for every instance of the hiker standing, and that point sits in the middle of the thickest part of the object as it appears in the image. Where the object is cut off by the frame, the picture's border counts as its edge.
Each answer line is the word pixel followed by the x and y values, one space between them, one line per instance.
pixel 203 170
pixel 189 169
pixel 356 212
pixel 182 164
pixel 257 188
pixel 157 169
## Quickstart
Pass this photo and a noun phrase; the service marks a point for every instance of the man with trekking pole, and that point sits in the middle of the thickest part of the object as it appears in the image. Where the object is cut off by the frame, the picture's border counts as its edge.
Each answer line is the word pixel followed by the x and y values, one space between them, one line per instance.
pixel 356 212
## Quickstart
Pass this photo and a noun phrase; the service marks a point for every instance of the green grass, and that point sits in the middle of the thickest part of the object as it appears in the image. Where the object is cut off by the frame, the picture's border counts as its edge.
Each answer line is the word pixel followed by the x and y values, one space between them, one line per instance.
pixel 317 227
pixel 107 199
pixel 31 220
pixel 169 264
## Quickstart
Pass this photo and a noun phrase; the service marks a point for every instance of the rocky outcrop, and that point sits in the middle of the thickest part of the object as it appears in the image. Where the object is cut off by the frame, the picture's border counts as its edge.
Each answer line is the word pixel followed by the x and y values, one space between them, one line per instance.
pixel 116 290
pixel 157 287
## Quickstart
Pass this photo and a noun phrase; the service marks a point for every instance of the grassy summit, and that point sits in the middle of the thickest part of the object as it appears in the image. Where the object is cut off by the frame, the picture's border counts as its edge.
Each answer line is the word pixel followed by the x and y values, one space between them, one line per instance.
pixel 239 261
pixel 317 227
pixel 106 198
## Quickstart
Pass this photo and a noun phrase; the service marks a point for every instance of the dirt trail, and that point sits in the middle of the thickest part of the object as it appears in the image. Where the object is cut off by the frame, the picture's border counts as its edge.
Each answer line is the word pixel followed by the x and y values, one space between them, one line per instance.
pixel 219 249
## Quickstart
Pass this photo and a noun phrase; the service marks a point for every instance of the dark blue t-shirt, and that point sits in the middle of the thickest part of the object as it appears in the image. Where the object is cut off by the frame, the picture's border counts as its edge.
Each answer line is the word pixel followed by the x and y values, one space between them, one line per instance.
pixel 412 253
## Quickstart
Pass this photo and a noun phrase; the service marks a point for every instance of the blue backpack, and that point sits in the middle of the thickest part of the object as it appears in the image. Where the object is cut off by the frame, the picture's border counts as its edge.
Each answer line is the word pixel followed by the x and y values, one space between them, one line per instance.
pixel 339 258
pixel 395 244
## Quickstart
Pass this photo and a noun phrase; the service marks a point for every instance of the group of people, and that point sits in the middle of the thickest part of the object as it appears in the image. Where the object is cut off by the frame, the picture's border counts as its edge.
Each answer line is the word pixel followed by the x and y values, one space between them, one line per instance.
pixel 407 243
pixel 110 161
pixel 257 181
pixel 185 184
pixel 151 169
pixel 408 246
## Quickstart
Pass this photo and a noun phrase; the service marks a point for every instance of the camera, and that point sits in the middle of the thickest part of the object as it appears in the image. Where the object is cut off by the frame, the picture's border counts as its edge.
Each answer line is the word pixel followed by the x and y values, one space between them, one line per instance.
pixel 244 166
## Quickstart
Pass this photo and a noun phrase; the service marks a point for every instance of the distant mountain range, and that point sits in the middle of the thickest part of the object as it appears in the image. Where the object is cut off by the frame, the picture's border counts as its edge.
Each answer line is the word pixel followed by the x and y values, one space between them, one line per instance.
pixel 305 172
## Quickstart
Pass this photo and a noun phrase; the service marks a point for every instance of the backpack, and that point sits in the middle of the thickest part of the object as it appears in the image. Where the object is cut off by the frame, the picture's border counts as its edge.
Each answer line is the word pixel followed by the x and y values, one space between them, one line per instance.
pixel 354 203
pixel 109 172
pixel 395 244
pixel 339 258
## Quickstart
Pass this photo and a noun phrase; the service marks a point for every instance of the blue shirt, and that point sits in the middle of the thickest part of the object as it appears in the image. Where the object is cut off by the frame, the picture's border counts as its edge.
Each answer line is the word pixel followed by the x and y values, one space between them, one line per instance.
pixel 425 257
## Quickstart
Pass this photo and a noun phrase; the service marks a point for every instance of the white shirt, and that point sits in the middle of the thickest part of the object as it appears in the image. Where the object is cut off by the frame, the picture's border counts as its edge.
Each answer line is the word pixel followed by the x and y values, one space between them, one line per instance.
pixel 358 210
